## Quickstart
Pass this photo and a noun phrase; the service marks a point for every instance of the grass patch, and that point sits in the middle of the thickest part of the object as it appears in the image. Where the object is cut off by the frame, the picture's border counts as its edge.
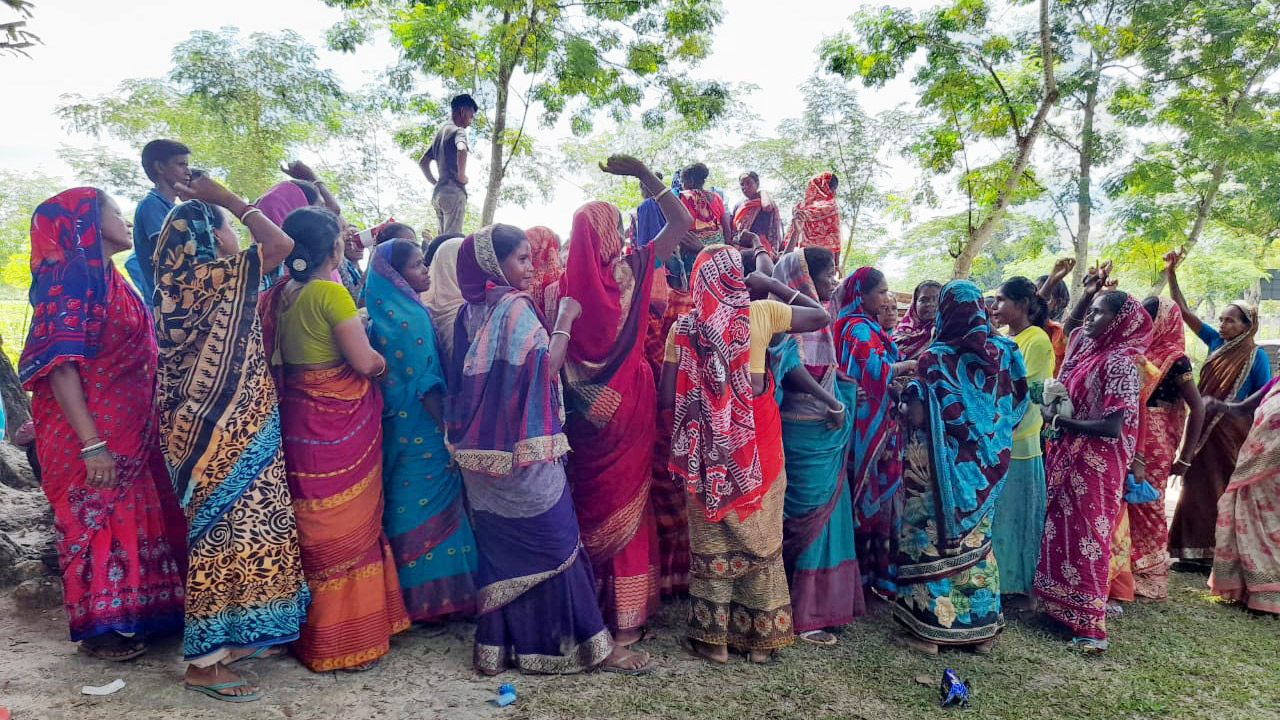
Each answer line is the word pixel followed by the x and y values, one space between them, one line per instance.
pixel 1190 657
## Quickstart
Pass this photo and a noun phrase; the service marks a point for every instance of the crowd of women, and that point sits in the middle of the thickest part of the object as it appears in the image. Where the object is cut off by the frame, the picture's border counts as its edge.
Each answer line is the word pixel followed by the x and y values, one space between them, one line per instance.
pixel 292 450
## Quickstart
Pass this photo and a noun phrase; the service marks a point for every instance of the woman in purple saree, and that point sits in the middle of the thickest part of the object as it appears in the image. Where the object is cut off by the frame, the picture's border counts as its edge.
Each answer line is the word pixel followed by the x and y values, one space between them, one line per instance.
pixel 536 599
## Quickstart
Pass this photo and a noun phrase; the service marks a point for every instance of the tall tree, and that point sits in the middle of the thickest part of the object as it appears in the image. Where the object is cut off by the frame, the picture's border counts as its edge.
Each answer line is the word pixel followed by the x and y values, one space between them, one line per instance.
pixel 976 86
pixel 555 56
pixel 242 105
pixel 1209 88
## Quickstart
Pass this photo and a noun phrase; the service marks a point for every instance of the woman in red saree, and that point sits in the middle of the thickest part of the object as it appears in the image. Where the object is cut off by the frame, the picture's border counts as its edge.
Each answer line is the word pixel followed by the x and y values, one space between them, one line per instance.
pixel 816 220
pixel 330 417
pixel 547 267
pixel 712 224
pixel 1167 395
pixel 727 447
pixel 90 365
pixel 1086 466
pixel 1246 559
pixel 612 402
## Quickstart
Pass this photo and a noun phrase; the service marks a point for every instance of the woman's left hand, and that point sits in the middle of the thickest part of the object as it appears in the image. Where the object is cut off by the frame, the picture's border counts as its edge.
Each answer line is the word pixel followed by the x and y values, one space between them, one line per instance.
pixel 1180 467
pixel 835 417
pixel 1047 413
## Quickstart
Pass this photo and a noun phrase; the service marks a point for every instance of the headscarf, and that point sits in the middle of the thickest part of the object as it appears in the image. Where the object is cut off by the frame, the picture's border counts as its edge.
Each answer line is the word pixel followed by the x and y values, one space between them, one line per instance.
pixel 974 384
pixel 866 354
pixel 68 283
pixel 817 348
pixel 547 267
pixel 1092 361
pixel 912 333
pixel 282 199
pixel 276 203
pixel 1227 368
pixel 613 291
pixel 713 447
pixel 444 297
pixel 815 222
pixel 1167 343
pixel 506 411
pixel 401 329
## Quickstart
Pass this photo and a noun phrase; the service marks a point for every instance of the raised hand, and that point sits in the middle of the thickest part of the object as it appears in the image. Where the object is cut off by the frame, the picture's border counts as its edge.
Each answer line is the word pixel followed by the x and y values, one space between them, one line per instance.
pixel 1063 268
pixel 1172 259
pixel 202 187
pixel 624 165
pixel 298 170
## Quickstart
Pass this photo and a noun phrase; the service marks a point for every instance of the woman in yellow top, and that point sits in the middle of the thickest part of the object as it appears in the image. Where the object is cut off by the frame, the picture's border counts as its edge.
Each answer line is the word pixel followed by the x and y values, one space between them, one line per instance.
pixel 727 448
pixel 1019 518
pixel 331 420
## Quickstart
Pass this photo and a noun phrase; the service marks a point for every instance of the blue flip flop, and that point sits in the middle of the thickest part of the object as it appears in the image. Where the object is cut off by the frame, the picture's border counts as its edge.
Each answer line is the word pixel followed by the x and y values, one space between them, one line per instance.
pixel 212 691
pixel 257 653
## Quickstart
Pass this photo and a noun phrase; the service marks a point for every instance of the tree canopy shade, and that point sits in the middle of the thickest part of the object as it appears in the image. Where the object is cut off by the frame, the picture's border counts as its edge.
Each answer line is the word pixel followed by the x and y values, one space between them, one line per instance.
pixel 1208 85
pixel 975 84
pixel 241 105
pixel 579 57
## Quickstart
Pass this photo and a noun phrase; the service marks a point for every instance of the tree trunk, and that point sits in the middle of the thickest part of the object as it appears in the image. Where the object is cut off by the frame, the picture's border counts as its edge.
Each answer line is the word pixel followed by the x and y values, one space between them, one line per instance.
pixel 497 145
pixel 17 406
pixel 1084 185
pixel 978 238
pixel 1202 216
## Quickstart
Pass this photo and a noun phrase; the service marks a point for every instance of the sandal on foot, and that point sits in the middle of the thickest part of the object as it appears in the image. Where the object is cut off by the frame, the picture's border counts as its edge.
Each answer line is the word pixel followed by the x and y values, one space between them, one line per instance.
pixel 123 653
pixel 1090 646
pixel 262 651
pixel 212 691
pixel 920 646
pixel 819 637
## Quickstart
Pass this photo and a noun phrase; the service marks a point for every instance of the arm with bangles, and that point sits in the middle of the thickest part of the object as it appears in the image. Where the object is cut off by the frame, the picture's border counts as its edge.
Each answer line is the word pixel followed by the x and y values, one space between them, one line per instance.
pixel 272 242
pixel 799 378
pixel 1093 283
pixel 1171 261
pixel 678 219
pixel 299 170
pixel 807 314
pixel 68 390
pixel 558 347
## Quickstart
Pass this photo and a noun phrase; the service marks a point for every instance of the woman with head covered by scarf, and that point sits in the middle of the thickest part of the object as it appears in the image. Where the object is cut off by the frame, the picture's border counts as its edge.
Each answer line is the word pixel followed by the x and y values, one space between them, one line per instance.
pixel 443 298
pixel 727 448
pixel 544 245
pixel 817 406
pixel 90 365
pixel 221 429
pixel 815 222
pixel 1085 466
pixel 871 359
pixel 969 393
pixel 915 330
pixel 1235 369
pixel 612 399
pixel 536 600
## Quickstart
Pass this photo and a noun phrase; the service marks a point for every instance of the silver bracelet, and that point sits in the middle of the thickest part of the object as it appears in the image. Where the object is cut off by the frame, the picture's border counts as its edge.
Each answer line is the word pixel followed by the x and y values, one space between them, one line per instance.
pixel 565 333
pixel 794 295
pixel 665 191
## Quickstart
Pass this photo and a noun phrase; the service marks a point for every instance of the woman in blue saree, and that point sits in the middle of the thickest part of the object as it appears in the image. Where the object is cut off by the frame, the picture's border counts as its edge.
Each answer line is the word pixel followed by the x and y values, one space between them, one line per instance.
pixel 870 357
pixel 969 394
pixel 816 406
pixel 424 515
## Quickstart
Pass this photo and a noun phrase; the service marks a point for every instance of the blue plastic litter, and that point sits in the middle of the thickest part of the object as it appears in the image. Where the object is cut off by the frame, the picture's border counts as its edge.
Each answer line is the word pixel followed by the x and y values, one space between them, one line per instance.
pixel 953 690
pixel 506 695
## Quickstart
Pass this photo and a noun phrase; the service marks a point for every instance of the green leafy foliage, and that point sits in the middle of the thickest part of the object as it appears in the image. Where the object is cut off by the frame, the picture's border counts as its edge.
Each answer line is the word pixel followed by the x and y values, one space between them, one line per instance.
pixel 1020 245
pixel 551 58
pixel 241 104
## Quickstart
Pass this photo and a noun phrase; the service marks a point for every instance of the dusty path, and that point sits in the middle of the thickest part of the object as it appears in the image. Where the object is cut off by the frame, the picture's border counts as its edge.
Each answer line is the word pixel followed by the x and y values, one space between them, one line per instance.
pixel 425 676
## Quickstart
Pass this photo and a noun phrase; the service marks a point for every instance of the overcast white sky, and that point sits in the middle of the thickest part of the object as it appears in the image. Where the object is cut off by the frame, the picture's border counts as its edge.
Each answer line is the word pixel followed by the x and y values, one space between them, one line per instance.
pixel 90 46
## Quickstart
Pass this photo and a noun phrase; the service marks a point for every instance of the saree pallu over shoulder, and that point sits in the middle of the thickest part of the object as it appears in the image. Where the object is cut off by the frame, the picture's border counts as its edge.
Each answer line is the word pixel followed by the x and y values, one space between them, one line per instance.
pixel 424 516
pixel 332 443
pixel 817 527
pixel 508 411
pixel 221 428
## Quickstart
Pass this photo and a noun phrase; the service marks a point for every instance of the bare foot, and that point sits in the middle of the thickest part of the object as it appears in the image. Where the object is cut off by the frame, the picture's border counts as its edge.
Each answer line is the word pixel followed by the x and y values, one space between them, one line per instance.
pixel 627 638
pixel 218 674
pixel 916 644
pixel 986 647
pixel 707 651
pixel 761 657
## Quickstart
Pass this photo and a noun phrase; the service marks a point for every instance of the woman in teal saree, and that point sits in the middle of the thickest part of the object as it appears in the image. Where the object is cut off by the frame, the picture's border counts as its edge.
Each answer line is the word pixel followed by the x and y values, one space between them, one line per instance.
pixel 424 517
